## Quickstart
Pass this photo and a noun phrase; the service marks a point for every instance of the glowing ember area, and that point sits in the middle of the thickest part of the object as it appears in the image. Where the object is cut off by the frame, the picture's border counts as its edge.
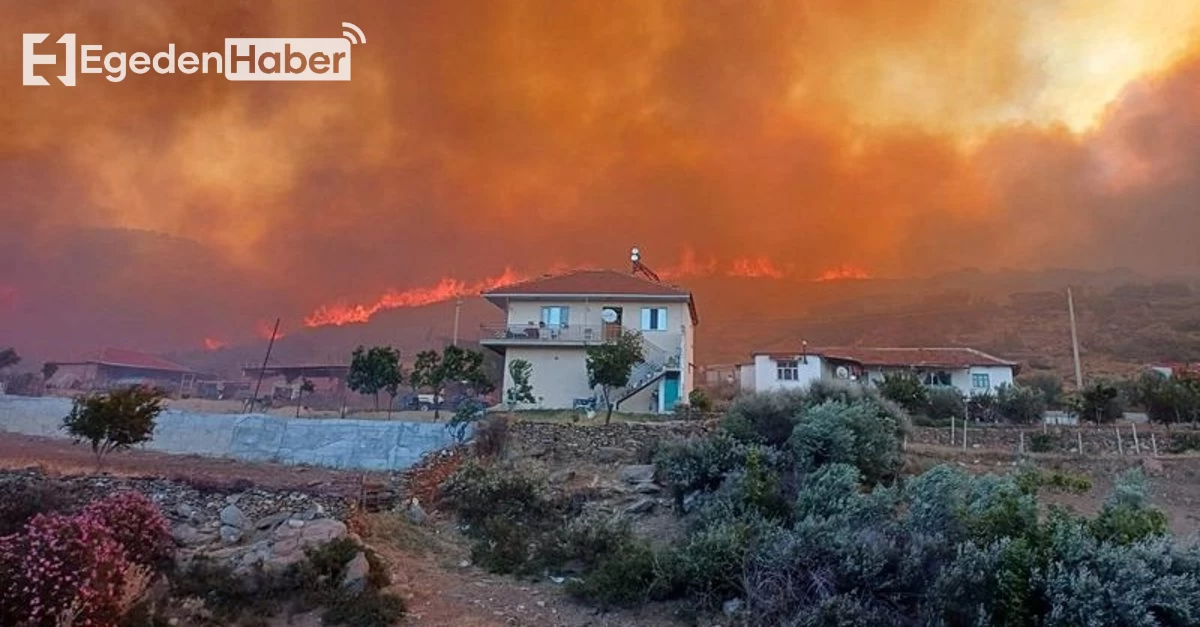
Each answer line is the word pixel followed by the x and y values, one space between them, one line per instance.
pixel 264 327
pixel 759 267
pixel 842 273
pixel 211 344
pixel 445 289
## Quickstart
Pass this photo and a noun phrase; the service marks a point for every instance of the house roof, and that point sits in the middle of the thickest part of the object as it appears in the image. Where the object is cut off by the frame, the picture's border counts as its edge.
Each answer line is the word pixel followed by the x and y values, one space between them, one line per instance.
pixel 598 284
pixel 956 357
pixel 125 358
pixel 590 283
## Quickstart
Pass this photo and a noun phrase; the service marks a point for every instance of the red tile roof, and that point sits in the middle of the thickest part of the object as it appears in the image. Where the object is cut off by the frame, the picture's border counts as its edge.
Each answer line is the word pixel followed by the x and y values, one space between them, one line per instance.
pixel 910 357
pixel 593 283
pixel 590 283
pixel 133 359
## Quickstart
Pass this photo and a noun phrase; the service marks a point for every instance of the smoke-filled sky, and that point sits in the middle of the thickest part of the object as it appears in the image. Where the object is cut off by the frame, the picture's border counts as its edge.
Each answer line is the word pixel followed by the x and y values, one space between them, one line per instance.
pixel 780 137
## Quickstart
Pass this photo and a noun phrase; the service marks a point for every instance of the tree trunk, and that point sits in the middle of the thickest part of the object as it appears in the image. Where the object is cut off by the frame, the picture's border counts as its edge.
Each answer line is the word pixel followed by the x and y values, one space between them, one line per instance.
pixel 299 402
pixel 391 401
pixel 377 401
pixel 437 401
pixel 608 405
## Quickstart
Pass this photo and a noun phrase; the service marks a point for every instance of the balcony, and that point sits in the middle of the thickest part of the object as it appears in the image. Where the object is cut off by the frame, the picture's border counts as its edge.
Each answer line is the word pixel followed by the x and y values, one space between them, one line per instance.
pixel 524 334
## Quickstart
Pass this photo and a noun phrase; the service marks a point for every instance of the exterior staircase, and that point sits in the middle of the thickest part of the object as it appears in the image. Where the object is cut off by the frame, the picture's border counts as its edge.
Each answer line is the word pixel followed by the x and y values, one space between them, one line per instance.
pixel 655 362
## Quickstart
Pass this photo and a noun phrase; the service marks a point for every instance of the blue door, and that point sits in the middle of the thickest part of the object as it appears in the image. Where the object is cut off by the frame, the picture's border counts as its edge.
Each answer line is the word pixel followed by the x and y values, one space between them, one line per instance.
pixel 670 391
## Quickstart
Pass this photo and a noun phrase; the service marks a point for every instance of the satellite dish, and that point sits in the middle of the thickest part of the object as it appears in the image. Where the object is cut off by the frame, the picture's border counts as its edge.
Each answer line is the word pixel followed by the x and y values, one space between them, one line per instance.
pixel 842 372
pixel 608 315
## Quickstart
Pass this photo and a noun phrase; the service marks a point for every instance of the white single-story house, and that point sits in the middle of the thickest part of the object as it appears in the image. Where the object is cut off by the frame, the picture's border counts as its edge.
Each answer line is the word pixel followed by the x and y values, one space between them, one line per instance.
pixel 968 370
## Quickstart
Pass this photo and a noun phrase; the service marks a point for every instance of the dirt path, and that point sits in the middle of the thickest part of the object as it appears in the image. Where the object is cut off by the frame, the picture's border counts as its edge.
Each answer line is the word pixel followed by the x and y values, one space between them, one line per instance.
pixel 61 457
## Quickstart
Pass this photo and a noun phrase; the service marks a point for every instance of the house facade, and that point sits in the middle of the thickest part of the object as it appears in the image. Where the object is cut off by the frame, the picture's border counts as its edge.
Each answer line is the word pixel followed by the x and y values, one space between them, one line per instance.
pixel 968 370
pixel 550 322
pixel 117 367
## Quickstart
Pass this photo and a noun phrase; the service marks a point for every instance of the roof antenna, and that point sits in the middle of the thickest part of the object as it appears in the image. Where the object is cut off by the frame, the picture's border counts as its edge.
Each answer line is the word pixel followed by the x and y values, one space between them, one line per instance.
pixel 635 256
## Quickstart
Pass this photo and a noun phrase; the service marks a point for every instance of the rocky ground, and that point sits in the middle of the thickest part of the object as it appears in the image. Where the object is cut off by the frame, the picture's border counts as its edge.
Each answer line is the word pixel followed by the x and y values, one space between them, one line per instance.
pixel 266 514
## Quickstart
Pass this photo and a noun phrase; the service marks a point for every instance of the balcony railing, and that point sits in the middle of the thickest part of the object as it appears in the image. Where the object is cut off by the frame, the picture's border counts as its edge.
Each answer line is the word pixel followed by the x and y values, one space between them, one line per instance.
pixel 533 334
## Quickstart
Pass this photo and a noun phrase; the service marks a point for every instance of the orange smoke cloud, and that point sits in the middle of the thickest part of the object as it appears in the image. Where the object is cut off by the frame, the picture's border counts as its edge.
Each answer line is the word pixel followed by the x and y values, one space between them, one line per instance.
pixel 211 344
pixel 777 139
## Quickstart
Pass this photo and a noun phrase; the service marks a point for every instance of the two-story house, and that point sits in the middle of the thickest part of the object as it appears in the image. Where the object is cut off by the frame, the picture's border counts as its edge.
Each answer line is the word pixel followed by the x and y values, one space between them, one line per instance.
pixel 551 321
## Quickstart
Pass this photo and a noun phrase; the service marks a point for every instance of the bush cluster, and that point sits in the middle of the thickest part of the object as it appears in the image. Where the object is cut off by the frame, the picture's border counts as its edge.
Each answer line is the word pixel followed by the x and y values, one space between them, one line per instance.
pixel 84 568
pixel 315 582
pixel 515 526
pixel 815 529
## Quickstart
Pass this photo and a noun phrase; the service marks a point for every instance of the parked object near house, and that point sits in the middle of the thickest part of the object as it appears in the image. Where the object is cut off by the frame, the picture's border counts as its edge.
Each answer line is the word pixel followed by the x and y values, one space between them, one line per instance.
pixel 551 321
pixel 968 370
pixel 282 382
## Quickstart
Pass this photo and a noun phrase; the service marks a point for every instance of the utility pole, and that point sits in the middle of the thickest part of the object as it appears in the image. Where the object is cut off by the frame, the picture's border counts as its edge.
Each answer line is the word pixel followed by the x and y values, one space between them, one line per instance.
pixel 457 310
pixel 270 344
pixel 1074 341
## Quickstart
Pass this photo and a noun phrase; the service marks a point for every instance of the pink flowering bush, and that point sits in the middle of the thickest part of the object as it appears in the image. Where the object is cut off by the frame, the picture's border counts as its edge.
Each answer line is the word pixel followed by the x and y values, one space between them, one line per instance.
pixel 83 570
pixel 137 525
pixel 60 567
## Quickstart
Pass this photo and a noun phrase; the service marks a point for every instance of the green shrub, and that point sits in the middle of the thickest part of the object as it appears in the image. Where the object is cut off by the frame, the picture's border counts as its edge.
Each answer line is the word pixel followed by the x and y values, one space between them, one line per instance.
pixel 477 492
pixel 858 434
pixel 906 390
pixel 626 577
pixel 1183 442
pixel 701 464
pixel 700 401
pixel 1126 516
pixel 371 608
pixel 1020 404
pixel 765 418
pixel 945 404
pixel 586 539
pixel 1043 443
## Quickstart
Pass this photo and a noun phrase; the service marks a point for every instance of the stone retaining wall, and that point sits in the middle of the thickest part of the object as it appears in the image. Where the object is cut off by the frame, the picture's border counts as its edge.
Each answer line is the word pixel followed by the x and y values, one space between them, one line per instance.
pixel 335 443
pixel 1096 439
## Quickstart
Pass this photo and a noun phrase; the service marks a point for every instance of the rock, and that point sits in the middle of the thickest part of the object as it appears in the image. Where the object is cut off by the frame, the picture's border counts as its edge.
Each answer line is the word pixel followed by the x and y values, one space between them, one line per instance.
pixel 641 506
pixel 295 523
pixel 233 517
pixel 647 488
pixel 415 512
pixel 287 543
pixel 187 512
pixel 188 536
pixel 637 474
pixel 690 501
pixel 1152 466
pixel 230 534
pixel 357 570
pixel 313 512
pixel 562 476
pixel 610 454
pixel 267 523
pixel 732 607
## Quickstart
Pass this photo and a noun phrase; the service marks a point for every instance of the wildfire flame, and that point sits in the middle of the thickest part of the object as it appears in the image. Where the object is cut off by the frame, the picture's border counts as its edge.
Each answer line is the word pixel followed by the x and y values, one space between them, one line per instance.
pixel 445 289
pixel 450 288
pixel 211 344
pixel 842 273
pixel 264 328
pixel 757 268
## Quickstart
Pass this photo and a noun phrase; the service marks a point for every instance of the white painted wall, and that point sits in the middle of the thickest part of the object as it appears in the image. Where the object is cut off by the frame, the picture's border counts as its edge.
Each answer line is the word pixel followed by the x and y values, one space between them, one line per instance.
pixel 559 373
pixel 746 377
pixel 766 375
pixel 961 378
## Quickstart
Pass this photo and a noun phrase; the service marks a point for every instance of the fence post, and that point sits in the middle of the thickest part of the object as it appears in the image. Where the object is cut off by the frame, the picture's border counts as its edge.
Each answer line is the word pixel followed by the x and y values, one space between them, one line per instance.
pixel 951 430
pixel 1154 443
pixel 1137 448
pixel 1022 448
pixel 1120 444
pixel 1079 438
pixel 964 434
pixel 904 445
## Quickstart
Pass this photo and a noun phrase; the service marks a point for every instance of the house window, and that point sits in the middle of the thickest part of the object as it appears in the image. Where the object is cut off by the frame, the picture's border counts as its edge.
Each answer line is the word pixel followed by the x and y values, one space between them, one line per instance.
pixel 554 316
pixel 941 377
pixel 787 370
pixel 654 318
pixel 981 381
